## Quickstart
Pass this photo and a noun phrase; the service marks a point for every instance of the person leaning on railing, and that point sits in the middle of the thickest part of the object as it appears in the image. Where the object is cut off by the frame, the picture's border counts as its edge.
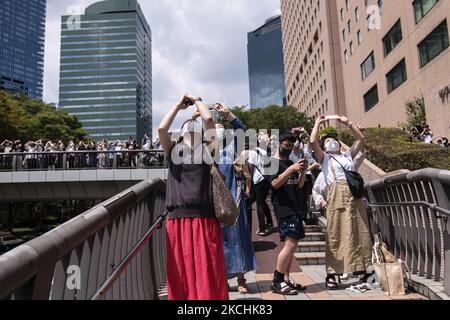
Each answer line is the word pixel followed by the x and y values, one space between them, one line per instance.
pixel 348 243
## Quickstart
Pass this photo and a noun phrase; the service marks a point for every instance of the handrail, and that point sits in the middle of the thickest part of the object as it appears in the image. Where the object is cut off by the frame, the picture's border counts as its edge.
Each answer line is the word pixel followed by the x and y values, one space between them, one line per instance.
pixel 92 242
pixel 410 210
pixel 80 152
pixel 413 203
pixel 82 159
pixel 111 279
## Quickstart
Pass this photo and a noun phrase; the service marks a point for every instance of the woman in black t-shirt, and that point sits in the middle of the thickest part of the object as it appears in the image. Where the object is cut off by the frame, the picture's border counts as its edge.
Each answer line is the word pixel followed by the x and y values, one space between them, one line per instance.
pixel 195 259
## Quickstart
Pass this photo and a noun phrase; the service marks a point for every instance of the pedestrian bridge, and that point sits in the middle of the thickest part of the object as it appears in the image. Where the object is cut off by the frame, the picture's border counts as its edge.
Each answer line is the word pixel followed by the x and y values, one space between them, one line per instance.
pixel 116 250
pixel 76 175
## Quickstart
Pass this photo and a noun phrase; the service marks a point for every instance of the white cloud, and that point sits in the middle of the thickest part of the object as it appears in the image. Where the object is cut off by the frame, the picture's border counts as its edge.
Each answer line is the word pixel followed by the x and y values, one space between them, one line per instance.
pixel 199 46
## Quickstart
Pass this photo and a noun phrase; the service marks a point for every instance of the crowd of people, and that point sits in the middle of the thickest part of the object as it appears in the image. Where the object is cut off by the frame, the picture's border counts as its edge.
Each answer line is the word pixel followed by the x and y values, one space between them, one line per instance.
pixel 311 170
pixel 43 154
pixel 424 134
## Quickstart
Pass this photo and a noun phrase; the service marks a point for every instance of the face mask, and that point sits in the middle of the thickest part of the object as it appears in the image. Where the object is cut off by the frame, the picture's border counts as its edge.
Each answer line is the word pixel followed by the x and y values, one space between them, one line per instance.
pixel 220 133
pixel 285 152
pixel 333 146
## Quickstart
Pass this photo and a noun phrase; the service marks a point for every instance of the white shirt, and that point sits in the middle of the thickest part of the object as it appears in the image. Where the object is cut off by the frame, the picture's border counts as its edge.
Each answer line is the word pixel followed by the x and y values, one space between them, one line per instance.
pixel 345 159
pixel 320 190
pixel 255 158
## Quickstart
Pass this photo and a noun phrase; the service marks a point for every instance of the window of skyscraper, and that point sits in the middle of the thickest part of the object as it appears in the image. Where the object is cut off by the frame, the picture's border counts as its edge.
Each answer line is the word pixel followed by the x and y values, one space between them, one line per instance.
pixel 435 43
pixel 422 7
pixel 368 66
pixel 371 98
pixel 397 76
pixel 393 38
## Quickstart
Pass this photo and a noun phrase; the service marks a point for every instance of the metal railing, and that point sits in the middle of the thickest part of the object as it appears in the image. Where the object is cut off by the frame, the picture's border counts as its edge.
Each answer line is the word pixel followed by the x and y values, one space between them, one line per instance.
pixel 102 253
pixel 75 160
pixel 411 212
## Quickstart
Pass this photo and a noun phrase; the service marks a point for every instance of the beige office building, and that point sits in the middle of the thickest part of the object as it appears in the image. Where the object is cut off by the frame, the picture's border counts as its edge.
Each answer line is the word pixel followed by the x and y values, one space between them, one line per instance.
pixel 312 58
pixel 392 52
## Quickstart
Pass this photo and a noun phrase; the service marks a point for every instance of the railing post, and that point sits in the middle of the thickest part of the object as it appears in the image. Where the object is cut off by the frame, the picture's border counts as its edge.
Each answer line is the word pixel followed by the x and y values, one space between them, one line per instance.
pixel 64 161
pixel 14 163
pixel 115 161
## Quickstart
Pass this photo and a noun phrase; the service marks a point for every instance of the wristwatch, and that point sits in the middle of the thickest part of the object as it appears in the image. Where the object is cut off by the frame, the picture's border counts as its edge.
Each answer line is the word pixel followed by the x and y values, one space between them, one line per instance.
pixel 350 124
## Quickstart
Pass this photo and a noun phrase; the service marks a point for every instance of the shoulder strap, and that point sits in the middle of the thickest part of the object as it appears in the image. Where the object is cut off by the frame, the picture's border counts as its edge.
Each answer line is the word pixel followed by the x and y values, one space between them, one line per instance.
pixel 345 170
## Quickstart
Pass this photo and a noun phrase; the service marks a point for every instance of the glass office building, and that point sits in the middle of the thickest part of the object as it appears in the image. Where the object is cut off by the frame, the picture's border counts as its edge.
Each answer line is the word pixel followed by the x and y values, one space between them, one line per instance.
pixel 22 39
pixel 266 65
pixel 106 70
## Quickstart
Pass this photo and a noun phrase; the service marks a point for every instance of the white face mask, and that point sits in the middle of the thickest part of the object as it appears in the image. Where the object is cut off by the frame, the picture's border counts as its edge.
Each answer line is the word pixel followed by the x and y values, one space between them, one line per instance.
pixel 221 133
pixel 332 146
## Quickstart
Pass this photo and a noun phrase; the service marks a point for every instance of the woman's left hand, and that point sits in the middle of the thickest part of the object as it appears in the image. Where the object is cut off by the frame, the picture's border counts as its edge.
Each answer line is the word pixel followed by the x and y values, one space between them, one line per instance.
pixel 223 110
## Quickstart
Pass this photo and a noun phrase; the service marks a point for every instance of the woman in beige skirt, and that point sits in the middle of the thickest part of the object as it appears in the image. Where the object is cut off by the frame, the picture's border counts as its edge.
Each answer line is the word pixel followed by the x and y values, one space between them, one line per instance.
pixel 348 243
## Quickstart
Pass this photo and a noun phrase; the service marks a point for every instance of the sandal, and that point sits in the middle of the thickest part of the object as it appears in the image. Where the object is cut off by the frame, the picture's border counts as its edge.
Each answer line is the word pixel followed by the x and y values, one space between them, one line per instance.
pixel 242 286
pixel 294 285
pixel 283 288
pixel 331 283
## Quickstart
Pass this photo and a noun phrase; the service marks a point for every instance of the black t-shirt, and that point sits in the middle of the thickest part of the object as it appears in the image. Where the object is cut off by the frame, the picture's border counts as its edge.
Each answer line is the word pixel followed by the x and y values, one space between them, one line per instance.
pixel 189 184
pixel 285 199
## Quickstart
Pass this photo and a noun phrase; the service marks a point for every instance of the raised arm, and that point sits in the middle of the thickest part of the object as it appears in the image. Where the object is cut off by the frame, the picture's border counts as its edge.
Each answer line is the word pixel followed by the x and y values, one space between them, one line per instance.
pixel 358 146
pixel 314 140
pixel 205 114
pixel 164 127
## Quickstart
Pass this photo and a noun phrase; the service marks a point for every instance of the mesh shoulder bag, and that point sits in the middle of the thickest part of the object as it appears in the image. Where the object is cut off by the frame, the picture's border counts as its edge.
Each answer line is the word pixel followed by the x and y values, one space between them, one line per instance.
pixel 224 205
pixel 354 180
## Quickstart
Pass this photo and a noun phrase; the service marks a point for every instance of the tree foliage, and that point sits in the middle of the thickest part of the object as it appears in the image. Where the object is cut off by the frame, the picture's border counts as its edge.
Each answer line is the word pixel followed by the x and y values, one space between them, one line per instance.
pixel 273 117
pixel 415 112
pixel 391 150
pixel 26 119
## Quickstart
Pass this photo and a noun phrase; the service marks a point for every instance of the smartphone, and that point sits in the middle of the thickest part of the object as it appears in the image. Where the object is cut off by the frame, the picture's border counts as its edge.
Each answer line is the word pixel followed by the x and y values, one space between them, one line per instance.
pixel 334 117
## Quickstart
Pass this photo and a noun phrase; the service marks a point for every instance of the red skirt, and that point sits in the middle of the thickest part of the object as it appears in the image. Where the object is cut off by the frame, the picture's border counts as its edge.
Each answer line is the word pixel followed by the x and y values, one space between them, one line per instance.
pixel 195 260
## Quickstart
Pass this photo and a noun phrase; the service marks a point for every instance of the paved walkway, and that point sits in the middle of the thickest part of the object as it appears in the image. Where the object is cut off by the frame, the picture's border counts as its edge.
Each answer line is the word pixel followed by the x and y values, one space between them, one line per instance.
pixel 312 276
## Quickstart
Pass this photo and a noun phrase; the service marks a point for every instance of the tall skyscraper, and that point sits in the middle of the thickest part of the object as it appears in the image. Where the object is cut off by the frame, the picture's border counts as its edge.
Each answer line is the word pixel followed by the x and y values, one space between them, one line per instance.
pixel 312 59
pixel 394 51
pixel 106 70
pixel 265 65
pixel 22 38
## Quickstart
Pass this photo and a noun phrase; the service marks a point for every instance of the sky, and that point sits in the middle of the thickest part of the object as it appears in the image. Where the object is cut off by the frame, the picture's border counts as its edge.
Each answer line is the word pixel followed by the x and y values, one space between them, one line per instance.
pixel 199 47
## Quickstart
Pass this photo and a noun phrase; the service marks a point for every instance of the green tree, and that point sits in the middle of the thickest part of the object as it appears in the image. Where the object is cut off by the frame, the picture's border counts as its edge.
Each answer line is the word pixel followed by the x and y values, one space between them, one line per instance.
pixel 273 117
pixel 26 119
pixel 415 112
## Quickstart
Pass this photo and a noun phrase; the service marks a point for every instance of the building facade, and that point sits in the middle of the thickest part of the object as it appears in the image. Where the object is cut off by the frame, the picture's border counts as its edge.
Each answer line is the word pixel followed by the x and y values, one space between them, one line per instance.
pixel 393 52
pixel 22 39
pixel 106 70
pixel 313 64
pixel 265 65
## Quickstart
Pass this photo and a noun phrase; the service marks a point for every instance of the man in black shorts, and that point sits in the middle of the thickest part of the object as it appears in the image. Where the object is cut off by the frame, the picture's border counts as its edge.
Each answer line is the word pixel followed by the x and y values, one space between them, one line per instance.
pixel 286 185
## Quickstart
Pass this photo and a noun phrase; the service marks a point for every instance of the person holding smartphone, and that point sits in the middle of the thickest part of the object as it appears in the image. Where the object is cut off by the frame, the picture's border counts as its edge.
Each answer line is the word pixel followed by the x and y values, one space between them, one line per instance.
pixel 286 185
pixel 195 258
pixel 348 241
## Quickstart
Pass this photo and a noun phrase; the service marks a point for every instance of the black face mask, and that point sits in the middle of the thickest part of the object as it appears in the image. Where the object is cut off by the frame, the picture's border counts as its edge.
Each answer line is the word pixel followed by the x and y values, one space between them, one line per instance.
pixel 285 152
